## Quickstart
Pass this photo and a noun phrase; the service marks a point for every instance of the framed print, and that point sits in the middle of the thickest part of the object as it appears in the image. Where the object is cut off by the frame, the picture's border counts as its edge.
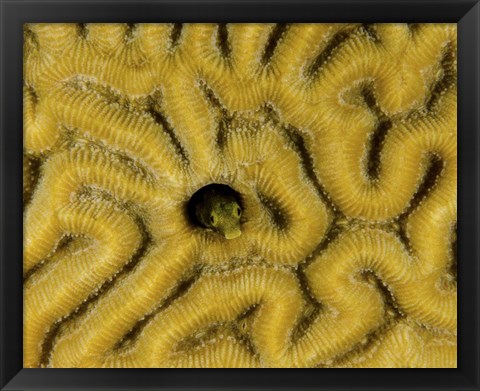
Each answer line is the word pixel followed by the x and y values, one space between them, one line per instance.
pixel 224 194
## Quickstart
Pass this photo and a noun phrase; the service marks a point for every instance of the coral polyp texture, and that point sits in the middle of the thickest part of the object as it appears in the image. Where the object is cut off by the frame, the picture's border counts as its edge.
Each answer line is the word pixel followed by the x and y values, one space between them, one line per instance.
pixel 341 143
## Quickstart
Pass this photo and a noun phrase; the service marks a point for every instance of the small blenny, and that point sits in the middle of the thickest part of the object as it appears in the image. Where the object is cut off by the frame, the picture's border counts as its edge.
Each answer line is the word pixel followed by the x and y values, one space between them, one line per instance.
pixel 217 207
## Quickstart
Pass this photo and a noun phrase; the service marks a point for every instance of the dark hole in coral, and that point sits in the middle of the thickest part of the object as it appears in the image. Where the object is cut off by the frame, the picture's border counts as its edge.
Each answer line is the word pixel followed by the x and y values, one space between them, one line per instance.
pixel 205 191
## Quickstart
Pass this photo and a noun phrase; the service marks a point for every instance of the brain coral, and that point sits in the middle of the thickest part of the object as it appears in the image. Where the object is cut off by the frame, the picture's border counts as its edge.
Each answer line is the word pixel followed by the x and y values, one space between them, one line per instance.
pixel 340 140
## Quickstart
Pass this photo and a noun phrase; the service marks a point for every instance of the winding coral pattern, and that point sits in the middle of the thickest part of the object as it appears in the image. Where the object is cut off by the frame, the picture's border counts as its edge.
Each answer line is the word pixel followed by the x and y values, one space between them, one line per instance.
pixel 341 141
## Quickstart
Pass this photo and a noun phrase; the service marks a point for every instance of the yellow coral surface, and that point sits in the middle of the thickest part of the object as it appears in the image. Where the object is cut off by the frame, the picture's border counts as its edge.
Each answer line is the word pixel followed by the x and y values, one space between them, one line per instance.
pixel 341 140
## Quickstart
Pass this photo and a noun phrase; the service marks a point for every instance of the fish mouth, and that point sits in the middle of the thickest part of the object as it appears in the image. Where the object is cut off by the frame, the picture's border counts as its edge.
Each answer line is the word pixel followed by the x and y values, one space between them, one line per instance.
pixel 232 234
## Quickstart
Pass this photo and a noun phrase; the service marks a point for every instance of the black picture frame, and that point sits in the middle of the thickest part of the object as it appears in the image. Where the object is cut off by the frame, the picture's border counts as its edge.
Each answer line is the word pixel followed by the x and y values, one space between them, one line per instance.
pixel 16 12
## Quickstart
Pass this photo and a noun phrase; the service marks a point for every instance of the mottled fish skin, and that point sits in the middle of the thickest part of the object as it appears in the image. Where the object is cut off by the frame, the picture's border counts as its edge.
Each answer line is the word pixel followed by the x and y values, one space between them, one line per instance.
pixel 219 212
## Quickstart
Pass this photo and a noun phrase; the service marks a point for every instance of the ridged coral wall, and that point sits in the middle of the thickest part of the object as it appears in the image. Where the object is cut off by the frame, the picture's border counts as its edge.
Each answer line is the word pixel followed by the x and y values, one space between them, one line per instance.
pixel 341 141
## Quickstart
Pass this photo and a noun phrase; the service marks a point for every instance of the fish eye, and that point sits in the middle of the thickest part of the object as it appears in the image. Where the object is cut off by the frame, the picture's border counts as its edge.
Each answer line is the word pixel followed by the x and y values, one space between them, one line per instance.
pixel 212 219
pixel 239 211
